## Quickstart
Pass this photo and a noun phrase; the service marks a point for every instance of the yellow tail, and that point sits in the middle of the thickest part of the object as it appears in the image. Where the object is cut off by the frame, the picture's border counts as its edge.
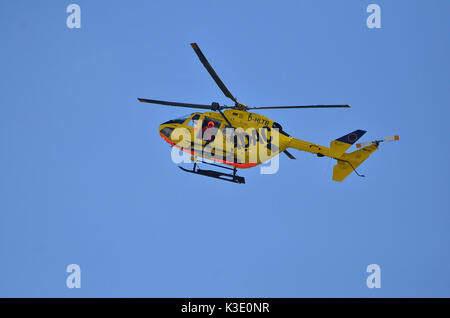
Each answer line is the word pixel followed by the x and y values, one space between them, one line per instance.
pixel 346 162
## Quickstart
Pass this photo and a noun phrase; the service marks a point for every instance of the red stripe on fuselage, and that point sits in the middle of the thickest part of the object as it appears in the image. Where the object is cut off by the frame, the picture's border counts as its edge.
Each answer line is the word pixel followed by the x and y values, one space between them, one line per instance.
pixel 237 165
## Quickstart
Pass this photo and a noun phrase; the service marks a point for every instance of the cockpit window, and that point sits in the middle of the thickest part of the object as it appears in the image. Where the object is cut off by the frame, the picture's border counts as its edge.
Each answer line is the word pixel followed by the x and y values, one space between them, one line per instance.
pixel 166 131
pixel 193 120
pixel 210 126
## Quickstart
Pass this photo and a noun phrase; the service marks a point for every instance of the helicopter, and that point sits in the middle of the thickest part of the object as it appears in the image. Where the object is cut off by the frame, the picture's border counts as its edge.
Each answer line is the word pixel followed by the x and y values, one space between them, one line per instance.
pixel 234 137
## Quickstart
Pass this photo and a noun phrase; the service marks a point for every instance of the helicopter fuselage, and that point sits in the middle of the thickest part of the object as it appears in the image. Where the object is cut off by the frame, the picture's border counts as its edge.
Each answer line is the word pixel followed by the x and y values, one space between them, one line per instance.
pixel 251 140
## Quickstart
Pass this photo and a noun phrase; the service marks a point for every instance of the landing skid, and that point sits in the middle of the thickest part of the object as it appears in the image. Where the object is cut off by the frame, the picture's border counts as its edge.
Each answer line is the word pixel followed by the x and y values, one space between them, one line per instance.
pixel 231 177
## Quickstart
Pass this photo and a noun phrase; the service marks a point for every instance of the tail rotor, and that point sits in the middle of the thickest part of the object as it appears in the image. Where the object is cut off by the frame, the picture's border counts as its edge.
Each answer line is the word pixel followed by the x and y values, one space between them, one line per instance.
pixel 377 142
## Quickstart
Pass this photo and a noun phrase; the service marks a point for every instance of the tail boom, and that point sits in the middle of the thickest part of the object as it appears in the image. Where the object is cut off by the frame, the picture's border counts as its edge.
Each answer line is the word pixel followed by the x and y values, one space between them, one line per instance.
pixel 337 147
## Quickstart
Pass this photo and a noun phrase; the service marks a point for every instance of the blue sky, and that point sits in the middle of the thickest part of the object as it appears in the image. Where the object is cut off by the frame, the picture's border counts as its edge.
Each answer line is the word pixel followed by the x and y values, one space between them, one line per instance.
pixel 86 179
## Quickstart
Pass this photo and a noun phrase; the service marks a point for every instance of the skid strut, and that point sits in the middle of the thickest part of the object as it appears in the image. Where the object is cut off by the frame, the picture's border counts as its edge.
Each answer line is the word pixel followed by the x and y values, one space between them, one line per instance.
pixel 216 174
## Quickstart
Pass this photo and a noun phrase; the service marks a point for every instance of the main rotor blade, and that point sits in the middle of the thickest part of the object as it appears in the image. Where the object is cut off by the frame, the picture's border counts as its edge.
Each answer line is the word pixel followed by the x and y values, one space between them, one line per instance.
pixel 162 102
pixel 212 72
pixel 307 106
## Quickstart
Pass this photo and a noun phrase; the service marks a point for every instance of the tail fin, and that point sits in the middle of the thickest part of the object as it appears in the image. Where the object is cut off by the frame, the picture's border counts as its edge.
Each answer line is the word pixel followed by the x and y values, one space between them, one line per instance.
pixel 349 162
pixel 340 145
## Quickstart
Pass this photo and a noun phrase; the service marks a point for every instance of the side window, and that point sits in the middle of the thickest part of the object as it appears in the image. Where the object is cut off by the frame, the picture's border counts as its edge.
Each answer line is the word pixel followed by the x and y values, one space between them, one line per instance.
pixel 210 126
pixel 239 139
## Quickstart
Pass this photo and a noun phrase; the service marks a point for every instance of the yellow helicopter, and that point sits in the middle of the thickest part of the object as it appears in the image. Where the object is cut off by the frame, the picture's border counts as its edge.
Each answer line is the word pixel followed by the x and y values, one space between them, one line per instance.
pixel 232 137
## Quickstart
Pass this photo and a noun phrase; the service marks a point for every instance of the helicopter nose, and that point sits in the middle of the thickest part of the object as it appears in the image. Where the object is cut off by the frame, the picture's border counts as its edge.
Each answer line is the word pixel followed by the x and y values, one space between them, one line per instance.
pixel 166 131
